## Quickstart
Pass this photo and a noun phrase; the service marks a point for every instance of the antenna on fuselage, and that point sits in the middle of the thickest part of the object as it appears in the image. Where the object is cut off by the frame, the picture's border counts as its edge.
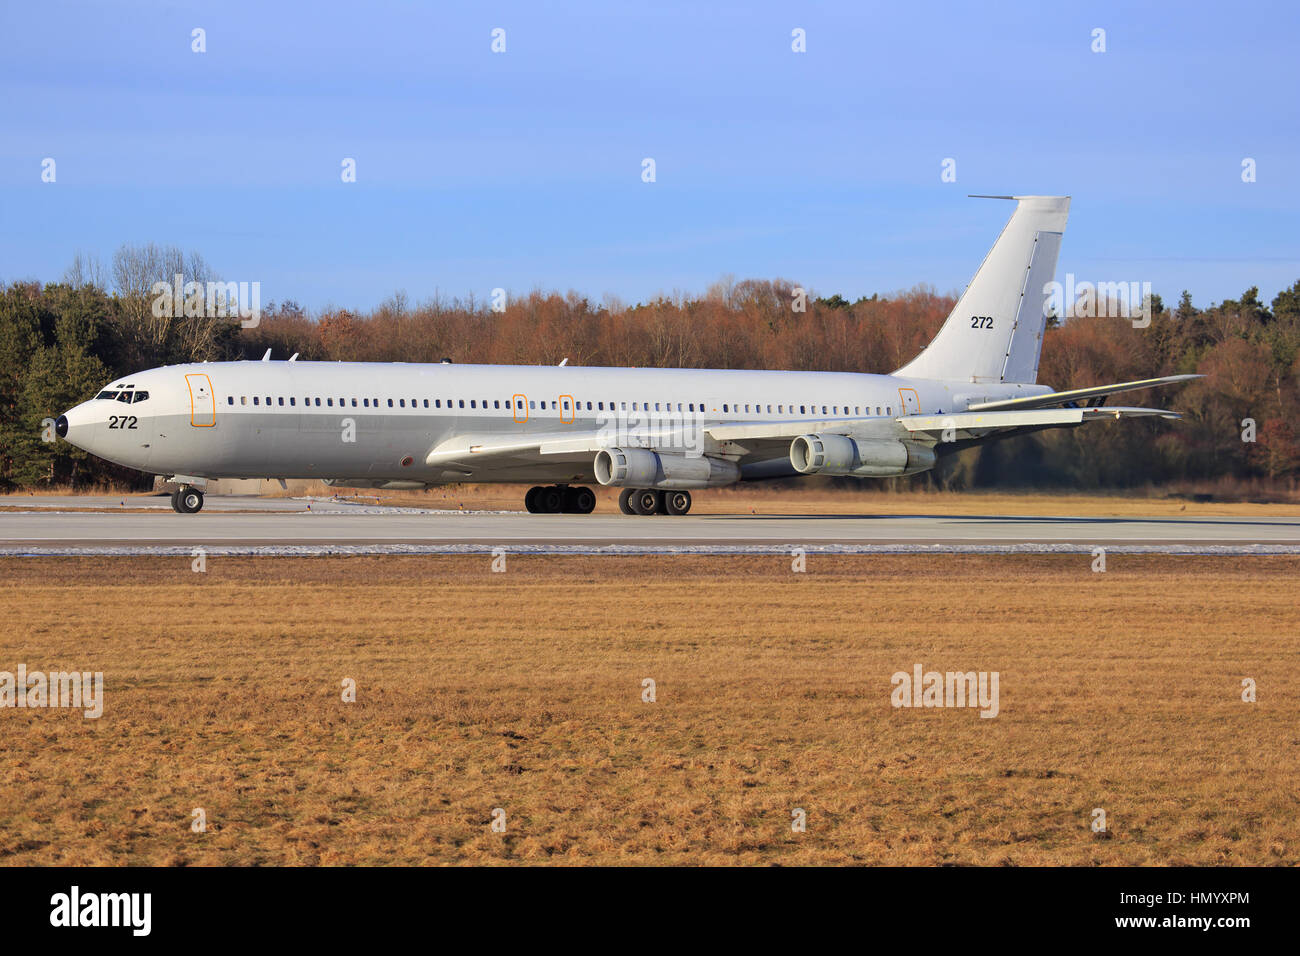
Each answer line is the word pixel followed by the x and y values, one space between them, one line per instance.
pixel 293 357
pixel 564 361
pixel 267 356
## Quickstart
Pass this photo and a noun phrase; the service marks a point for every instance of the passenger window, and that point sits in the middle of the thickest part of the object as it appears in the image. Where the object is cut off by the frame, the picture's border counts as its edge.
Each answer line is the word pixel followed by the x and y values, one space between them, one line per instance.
pixel 496 403
pixel 692 406
pixel 803 409
pixel 437 403
pixel 532 403
pixel 889 410
pixel 390 403
pixel 255 400
pixel 230 399
pixel 462 403
pixel 318 403
pixel 724 406
pixel 292 400
pixel 280 400
pixel 401 402
pixel 354 403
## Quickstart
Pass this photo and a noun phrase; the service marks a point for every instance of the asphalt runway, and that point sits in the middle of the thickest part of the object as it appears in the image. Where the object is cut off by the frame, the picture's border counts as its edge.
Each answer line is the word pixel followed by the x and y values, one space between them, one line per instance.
pixel 320 526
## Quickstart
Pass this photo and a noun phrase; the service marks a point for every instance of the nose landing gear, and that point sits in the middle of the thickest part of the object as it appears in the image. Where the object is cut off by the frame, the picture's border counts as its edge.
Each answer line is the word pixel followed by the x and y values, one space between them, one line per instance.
pixel 187 500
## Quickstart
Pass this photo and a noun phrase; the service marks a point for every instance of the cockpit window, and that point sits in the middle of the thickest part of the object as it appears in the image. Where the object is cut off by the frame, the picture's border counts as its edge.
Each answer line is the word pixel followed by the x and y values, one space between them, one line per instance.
pixel 106 394
pixel 124 397
pixel 140 397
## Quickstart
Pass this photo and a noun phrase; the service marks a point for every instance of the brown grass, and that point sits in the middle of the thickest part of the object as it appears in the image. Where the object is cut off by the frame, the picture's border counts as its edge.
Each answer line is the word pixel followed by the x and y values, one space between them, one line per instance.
pixel 523 691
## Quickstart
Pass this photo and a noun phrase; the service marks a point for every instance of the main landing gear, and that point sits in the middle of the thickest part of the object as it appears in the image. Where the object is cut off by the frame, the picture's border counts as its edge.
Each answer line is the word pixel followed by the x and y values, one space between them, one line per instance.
pixel 557 499
pixel 187 500
pixel 648 501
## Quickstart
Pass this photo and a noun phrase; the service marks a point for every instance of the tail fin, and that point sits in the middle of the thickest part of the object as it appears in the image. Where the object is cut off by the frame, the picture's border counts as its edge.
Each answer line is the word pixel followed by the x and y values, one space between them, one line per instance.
pixel 995 332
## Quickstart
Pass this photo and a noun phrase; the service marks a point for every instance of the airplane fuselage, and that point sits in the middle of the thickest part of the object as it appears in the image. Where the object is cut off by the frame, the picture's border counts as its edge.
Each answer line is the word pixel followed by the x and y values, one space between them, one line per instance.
pixel 377 422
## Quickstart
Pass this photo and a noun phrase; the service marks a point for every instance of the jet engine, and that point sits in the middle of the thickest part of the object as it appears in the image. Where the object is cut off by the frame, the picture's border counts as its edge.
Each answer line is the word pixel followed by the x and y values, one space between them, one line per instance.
pixel 839 455
pixel 642 468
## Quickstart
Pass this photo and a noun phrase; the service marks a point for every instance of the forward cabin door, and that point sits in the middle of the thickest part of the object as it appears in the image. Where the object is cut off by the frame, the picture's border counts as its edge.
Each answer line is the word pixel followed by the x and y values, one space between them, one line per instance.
pixel 203 407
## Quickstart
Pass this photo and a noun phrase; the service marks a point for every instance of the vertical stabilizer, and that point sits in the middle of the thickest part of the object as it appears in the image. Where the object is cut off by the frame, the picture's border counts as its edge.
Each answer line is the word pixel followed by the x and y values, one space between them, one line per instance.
pixel 995 332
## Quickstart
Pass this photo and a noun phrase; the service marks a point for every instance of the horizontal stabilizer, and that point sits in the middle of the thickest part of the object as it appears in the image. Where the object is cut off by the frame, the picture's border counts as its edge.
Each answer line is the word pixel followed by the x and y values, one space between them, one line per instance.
pixel 968 425
pixel 1079 395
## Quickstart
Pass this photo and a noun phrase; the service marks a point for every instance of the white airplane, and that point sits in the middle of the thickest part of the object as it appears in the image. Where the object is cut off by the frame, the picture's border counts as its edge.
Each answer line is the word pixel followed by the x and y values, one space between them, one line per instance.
pixel 656 433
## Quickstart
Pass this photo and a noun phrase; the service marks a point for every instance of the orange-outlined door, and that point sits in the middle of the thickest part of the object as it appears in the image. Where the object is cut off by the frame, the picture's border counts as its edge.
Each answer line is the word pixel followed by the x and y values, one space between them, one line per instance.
pixel 520 406
pixel 203 407
pixel 568 407
pixel 911 401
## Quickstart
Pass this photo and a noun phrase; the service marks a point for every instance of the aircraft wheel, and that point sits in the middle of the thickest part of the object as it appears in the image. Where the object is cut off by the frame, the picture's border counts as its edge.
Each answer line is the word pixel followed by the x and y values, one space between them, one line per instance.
pixel 677 502
pixel 579 501
pixel 647 501
pixel 530 500
pixel 625 501
pixel 550 500
pixel 176 501
pixel 190 501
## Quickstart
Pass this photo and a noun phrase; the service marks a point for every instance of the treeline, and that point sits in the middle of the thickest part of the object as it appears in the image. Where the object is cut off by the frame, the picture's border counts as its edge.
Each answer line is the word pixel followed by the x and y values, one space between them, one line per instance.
pixel 61 342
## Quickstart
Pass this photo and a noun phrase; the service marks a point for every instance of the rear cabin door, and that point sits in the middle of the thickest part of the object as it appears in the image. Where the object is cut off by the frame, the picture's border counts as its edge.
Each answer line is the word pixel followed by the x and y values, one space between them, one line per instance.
pixel 911 403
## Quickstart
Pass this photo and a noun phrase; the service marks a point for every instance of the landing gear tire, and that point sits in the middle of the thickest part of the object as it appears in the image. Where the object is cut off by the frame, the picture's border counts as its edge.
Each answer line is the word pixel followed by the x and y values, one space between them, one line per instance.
pixel 625 501
pixel 579 501
pixel 677 502
pixel 530 500
pixel 550 500
pixel 647 501
pixel 187 501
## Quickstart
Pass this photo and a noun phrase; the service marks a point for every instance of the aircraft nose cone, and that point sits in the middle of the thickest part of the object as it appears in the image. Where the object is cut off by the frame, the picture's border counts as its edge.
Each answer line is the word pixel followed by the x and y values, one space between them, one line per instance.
pixel 61 426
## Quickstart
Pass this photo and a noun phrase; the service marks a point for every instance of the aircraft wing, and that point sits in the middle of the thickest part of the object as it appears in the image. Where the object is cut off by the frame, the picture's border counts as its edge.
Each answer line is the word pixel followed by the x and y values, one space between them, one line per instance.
pixel 756 441
pixel 968 425
pixel 1078 396
pixel 469 450
pixel 764 439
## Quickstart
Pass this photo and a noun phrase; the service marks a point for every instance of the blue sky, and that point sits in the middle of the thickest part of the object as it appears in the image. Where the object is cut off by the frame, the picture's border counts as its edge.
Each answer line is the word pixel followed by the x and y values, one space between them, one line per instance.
pixel 523 170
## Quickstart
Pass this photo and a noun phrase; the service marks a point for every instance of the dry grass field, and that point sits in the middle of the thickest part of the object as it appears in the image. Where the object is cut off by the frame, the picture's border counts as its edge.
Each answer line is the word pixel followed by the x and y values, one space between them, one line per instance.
pixel 523 691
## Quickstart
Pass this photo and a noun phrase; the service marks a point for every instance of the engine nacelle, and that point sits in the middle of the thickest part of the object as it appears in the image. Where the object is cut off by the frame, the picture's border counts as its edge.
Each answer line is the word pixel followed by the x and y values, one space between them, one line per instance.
pixel 840 456
pixel 642 468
